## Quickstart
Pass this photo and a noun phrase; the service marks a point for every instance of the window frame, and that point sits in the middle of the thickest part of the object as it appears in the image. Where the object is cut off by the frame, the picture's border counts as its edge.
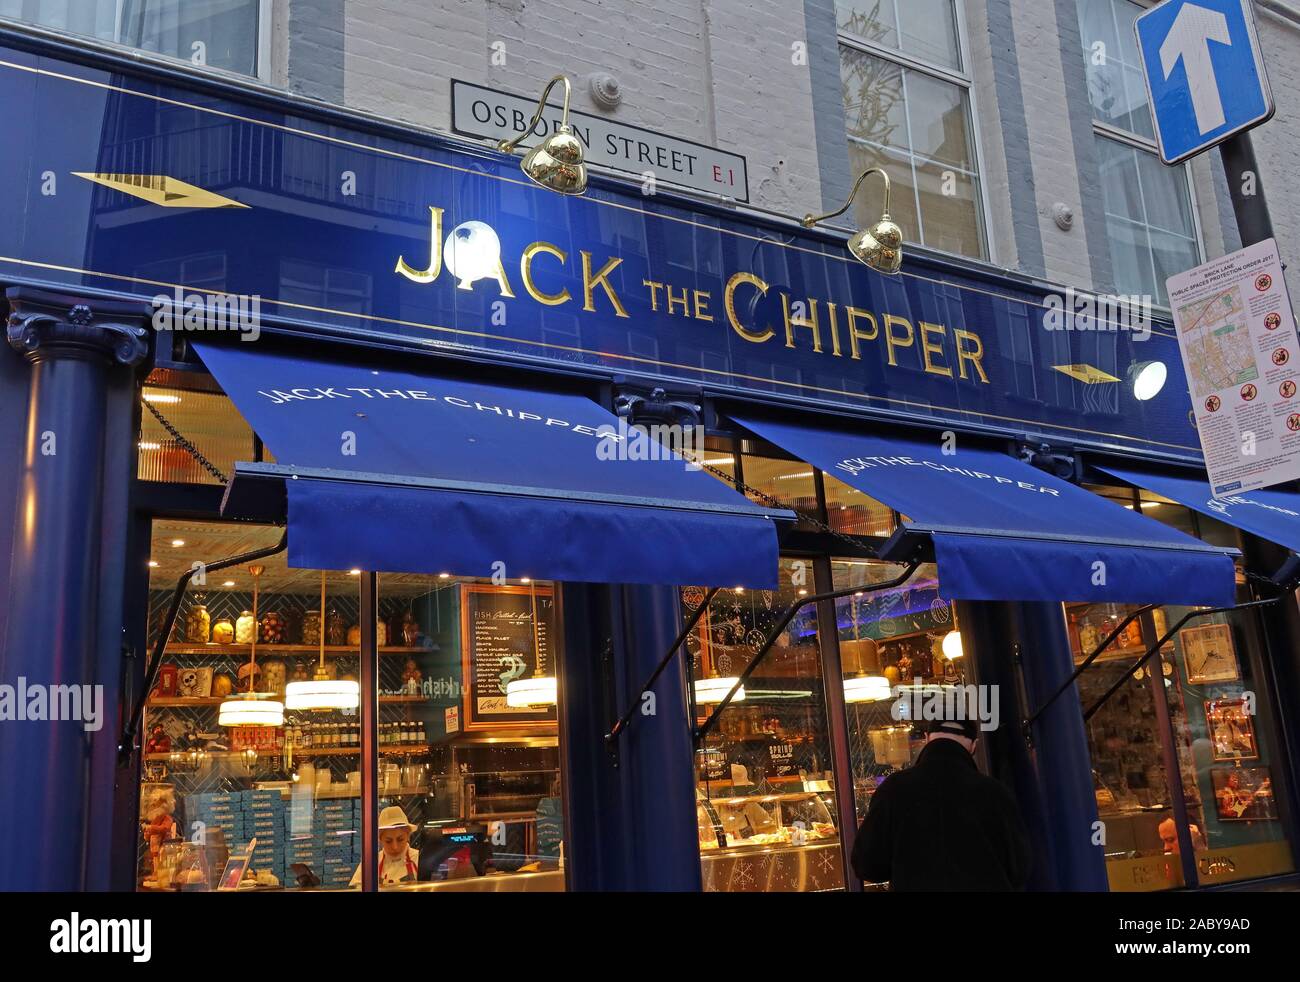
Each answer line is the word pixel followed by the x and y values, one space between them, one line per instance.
pixel 964 80
pixel 1137 141
pixel 262 48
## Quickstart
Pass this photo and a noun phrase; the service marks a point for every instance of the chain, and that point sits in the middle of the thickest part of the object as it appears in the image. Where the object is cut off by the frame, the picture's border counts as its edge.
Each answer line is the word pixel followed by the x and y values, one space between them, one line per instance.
pixel 771 502
pixel 188 447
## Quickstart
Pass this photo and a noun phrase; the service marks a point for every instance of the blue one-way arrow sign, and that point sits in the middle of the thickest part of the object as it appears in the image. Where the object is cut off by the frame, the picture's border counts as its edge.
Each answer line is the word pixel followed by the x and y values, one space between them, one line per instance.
pixel 1204 71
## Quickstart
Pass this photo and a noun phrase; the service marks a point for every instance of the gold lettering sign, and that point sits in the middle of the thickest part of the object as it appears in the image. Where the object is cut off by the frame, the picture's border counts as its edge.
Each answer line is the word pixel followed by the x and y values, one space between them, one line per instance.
pixel 935 349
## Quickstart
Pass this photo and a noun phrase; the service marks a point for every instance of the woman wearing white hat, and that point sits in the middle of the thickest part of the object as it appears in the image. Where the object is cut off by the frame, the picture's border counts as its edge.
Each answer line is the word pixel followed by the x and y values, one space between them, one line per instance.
pixel 398 862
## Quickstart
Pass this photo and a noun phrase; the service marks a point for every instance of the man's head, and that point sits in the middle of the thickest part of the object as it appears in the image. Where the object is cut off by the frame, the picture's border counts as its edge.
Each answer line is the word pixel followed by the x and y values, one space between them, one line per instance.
pixel 963 731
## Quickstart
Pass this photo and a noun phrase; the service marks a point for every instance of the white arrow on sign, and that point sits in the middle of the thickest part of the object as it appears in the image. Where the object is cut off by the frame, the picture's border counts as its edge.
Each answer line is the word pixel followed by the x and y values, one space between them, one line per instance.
pixel 1189 40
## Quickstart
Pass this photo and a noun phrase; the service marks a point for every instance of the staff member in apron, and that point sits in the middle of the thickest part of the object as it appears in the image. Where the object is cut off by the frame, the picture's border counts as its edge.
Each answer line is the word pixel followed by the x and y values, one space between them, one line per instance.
pixel 398 862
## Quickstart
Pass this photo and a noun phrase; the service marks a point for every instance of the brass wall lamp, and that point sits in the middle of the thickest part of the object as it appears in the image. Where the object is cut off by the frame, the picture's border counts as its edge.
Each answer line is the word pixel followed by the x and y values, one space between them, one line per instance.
pixel 879 246
pixel 557 162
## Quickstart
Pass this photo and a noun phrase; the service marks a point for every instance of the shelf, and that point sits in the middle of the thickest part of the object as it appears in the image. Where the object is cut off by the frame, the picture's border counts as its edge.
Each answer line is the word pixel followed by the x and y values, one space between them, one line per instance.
pixel 413 748
pixel 175 701
pixel 332 650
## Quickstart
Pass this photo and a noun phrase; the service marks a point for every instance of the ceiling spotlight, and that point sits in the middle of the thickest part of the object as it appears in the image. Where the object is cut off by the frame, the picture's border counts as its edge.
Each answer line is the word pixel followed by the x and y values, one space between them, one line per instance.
pixel 557 162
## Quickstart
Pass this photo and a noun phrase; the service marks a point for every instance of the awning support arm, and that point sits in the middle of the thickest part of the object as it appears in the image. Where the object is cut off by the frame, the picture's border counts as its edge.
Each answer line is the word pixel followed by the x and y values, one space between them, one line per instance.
pixel 129 732
pixel 686 630
pixel 1092 710
pixel 1027 725
pixel 702 730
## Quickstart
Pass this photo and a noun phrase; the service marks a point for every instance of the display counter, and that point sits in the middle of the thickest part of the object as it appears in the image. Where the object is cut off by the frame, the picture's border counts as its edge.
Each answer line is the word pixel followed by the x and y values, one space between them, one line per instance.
pixel 758 869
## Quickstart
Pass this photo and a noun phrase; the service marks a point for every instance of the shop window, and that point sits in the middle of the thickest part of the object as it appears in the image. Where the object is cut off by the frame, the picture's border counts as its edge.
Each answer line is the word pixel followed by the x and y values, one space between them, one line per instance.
pixel 475 780
pixel 481 780
pixel 888 638
pixel 765 801
pixel 1130 763
pixel 182 428
pixel 1195 721
pixel 223 34
pixel 1227 750
pixel 264 804
pixel 1150 222
pixel 907 108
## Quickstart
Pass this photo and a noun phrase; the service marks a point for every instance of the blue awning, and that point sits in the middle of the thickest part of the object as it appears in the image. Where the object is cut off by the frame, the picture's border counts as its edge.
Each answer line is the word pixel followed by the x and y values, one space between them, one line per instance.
pixel 1003 530
pixel 404 472
pixel 1272 515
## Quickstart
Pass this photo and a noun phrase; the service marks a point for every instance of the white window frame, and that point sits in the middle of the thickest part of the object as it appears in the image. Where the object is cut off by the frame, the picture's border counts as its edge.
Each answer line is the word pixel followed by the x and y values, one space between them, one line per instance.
pixel 262 55
pixel 1148 144
pixel 962 79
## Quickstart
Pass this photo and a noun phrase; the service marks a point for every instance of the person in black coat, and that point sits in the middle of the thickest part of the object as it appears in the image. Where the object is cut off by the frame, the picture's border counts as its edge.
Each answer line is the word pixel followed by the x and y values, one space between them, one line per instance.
pixel 941 825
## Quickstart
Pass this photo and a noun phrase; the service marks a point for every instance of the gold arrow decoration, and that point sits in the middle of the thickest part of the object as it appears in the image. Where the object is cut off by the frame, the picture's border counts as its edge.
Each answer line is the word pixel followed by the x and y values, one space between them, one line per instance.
pixel 159 189
pixel 1088 374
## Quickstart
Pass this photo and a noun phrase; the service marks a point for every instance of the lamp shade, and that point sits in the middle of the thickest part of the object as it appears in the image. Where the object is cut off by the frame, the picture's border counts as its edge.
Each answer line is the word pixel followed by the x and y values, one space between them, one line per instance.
pixel 715 690
pixel 249 710
pixel 539 690
pixel 322 694
pixel 866 688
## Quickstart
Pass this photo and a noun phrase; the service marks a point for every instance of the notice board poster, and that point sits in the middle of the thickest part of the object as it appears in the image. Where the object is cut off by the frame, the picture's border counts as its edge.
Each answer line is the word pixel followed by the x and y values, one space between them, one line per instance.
pixel 498 646
pixel 1237 336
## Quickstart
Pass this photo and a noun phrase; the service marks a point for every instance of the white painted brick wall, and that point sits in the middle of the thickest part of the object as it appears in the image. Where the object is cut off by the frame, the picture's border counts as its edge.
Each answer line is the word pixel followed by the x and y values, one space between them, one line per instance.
pixel 719 73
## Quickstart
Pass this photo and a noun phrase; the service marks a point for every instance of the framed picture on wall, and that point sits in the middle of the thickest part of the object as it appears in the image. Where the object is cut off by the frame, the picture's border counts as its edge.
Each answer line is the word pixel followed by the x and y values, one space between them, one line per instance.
pixel 1243 794
pixel 1209 654
pixel 1231 730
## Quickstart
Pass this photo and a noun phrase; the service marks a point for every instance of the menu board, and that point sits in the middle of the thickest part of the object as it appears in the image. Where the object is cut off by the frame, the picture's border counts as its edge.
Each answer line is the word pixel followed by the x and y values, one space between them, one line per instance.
pixel 499 645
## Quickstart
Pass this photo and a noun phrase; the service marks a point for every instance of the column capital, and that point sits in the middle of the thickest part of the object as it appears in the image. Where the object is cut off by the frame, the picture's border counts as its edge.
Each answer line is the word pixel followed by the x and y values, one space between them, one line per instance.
pixel 43 325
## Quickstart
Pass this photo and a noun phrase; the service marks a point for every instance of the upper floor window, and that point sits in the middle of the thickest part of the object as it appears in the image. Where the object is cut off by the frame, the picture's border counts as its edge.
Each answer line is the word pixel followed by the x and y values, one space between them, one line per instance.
pixel 1150 221
pixel 225 34
pixel 907 95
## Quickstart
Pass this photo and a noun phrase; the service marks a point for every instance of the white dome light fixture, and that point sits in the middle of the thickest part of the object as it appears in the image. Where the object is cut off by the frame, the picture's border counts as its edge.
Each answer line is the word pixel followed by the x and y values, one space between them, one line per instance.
pixel 322 693
pixel 713 691
pixel 252 708
pixel 866 688
pixel 541 690
pixel 1147 379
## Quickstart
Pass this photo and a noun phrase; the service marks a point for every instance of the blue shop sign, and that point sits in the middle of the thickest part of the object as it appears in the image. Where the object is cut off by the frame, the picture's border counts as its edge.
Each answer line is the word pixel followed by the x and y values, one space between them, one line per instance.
pixel 136 185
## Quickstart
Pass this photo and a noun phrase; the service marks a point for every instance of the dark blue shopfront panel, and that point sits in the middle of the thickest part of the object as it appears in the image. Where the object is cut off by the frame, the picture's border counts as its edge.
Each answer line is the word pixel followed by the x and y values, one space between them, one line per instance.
pixel 1003 530
pixel 403 472
pixel 312 218
pixel 1271 515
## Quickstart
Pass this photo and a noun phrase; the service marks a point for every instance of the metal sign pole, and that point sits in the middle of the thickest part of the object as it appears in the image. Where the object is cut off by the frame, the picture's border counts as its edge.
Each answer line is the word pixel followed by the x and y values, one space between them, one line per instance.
pixel 1246 188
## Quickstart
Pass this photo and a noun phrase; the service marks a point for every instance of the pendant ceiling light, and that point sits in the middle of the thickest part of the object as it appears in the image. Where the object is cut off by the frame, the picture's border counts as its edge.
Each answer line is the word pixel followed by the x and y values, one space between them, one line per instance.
pixel 714 690
pixel 252 708
pixel 557 162
pixel 541 689
pixel 868 684
pixel 881 245
pixel 322 693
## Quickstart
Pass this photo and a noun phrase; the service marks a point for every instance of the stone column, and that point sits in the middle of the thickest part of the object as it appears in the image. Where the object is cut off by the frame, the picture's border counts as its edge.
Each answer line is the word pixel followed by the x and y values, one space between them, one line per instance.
pixel 54 632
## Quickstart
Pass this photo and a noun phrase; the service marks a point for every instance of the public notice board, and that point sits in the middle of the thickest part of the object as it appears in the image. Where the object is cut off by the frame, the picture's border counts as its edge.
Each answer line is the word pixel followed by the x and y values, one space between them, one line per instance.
pixel 1237 335
pixel 499 646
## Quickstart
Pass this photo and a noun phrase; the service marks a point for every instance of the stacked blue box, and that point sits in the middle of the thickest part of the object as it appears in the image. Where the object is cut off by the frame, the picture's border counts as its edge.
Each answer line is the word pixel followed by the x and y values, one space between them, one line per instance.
pixel 217 810
pixel 265 821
